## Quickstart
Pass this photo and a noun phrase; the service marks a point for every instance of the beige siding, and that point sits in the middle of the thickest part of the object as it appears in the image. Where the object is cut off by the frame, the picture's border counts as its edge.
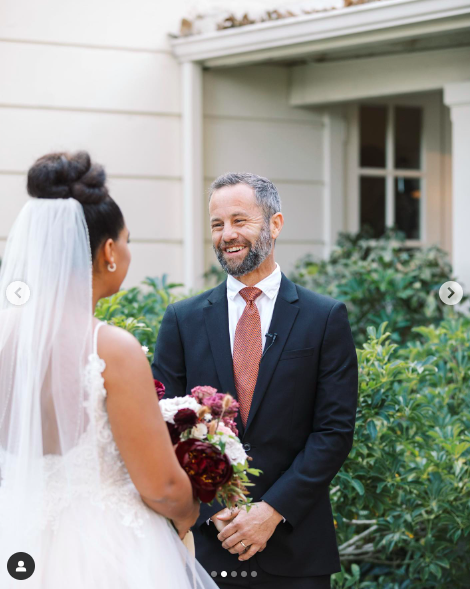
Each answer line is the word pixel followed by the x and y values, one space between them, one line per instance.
pixel 84 78
pixel 249 126
pixel 141 24
pixel 98 76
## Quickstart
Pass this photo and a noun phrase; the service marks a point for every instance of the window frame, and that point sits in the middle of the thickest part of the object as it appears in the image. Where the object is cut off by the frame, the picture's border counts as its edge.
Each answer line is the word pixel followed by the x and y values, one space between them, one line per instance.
pixel 429 175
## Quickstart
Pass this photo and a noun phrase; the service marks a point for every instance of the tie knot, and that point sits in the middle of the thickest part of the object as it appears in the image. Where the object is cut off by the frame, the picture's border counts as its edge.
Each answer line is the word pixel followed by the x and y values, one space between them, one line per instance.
pixel 250 293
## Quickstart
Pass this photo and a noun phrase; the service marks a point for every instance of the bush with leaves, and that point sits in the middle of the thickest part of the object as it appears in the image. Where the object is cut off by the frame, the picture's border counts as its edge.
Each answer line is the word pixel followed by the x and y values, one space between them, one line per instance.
pixel 380 280
pixel 140 310
pixel 402 499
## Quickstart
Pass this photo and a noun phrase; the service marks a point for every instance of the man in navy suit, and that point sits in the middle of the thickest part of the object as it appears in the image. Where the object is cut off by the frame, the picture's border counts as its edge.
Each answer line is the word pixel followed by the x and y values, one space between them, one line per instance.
pixel 287 355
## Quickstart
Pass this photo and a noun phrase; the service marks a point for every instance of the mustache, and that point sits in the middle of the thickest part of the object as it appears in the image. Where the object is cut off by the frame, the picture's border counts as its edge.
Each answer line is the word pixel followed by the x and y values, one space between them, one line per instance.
pixel 226 245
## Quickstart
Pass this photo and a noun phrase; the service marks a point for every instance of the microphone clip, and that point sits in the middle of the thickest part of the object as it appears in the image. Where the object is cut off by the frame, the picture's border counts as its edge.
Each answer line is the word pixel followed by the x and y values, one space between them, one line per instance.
pixel 273 337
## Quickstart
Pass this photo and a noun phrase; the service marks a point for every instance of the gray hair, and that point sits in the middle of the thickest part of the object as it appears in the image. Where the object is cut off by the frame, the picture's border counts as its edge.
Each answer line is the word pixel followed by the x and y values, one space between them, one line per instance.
pixel 266 193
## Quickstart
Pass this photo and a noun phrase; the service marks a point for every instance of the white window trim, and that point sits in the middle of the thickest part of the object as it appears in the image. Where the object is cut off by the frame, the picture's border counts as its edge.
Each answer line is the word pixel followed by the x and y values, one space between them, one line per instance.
pixel 430 174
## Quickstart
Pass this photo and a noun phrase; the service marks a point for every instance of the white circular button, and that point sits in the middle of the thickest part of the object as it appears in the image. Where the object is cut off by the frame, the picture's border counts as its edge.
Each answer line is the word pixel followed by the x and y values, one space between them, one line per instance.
pixel 224 573
pixel 18 293
pixel 451 293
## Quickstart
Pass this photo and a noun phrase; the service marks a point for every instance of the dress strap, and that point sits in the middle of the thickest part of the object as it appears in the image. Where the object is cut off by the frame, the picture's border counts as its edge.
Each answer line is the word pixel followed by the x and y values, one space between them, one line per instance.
pixel 95 338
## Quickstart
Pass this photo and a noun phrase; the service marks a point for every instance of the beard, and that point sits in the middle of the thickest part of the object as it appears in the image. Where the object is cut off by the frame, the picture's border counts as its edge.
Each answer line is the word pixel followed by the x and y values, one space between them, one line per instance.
pixel 256 255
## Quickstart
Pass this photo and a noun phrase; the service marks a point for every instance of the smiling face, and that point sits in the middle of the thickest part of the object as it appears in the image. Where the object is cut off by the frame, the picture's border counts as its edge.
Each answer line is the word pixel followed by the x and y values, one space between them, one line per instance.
pixel 241 236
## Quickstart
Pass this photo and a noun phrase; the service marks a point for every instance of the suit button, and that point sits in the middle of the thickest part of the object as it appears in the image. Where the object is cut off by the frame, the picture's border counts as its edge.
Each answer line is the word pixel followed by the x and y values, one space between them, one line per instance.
pixel 247 447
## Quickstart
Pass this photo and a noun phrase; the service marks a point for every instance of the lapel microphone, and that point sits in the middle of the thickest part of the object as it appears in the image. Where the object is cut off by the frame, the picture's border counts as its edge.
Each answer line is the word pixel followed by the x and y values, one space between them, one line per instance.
pixel 273 337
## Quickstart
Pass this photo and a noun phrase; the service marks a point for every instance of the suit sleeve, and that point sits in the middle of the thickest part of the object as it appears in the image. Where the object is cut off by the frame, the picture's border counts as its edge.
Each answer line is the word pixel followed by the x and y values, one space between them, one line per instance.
pixel 168 364
pixel 296 491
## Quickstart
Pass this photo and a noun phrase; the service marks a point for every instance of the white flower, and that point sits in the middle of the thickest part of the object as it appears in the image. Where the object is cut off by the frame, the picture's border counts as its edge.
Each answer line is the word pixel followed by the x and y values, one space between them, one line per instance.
pixel 234 450
pixel 170 407
pixel 199 431
pixel 145 349
pixel 208 417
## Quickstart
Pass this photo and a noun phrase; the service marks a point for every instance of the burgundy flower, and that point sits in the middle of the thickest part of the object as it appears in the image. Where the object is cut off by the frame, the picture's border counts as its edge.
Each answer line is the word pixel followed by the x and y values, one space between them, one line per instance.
pixel 160 389
pixel 174 433
pixel 200 393
pixel 207 468
pixel 185 419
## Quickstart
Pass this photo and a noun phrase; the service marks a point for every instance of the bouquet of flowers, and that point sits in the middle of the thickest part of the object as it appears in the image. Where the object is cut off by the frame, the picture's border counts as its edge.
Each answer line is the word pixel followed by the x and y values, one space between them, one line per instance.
pixel 202 428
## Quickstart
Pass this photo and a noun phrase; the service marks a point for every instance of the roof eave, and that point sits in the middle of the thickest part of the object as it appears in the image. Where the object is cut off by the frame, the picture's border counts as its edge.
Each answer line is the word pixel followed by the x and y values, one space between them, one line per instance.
pixel 296 37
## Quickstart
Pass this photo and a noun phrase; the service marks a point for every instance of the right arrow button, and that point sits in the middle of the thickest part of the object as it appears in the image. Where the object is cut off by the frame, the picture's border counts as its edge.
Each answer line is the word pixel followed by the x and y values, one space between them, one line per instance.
pixel 451 292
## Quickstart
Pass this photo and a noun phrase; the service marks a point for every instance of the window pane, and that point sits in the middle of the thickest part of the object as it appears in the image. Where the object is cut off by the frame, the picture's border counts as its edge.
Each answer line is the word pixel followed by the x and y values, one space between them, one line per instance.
pixel 408 138
pixel 373 204
pixel 407 206
pixel 372 138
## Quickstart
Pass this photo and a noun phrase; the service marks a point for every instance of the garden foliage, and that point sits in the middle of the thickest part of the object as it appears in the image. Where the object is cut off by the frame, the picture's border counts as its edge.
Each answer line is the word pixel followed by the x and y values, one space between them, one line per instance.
pixel 402 499
pixel 380 280
pixel 401 502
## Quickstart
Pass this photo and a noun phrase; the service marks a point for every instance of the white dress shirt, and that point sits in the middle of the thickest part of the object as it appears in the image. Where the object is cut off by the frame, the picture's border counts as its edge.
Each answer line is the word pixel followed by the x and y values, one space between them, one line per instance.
pixel 265 303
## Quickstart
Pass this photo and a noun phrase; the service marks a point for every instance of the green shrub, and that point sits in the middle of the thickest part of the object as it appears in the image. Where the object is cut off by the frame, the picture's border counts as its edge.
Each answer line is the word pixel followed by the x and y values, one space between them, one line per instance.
pixel 402 499
pixel 380 280
pixel 140 311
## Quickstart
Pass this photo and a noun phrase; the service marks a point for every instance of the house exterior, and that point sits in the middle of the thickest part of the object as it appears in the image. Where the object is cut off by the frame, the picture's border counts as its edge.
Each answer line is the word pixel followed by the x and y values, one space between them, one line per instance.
pixel 360 115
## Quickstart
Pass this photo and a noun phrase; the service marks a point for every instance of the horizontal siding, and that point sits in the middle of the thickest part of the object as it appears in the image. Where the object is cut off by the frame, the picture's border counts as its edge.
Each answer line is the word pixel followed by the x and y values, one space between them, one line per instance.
pixel 258 92
pixel 249 126
pixel 154 259
pixel 141 24
pixel 153 209
pixel 98 76
pixel 126 145
pixel 13 196
pixel 274 149
pixel 48 76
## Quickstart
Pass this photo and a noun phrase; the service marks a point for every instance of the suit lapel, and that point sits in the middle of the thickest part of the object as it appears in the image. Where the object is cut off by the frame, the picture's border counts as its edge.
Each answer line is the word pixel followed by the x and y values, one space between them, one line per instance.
pixel 284 315
pixel 216 319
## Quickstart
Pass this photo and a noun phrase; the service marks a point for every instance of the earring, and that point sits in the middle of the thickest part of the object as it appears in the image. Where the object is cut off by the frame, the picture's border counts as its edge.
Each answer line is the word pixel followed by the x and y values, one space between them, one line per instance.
pixel 112 267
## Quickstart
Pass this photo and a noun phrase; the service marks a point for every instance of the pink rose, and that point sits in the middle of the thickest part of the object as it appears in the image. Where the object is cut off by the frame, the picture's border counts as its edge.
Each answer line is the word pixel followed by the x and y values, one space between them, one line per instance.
pixel 200 393
pixel 215 404
pixel 229 423
pixel 224 429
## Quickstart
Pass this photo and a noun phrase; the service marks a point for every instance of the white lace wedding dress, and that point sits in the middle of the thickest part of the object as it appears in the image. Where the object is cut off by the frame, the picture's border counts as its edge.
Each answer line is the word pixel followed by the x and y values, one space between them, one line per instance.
pixel 110 541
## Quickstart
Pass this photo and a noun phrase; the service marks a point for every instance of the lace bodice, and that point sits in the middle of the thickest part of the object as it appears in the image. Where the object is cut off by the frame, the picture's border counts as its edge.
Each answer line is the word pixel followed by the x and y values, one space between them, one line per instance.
pixel 114 489
pixel 92 470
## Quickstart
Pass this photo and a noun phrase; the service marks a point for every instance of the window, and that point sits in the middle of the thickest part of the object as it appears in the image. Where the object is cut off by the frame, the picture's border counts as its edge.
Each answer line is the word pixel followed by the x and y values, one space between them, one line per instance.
pixel 390 157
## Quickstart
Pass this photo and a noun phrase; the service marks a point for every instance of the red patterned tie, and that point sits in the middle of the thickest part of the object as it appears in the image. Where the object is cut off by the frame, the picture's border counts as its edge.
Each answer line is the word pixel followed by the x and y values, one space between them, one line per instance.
pixel 247 350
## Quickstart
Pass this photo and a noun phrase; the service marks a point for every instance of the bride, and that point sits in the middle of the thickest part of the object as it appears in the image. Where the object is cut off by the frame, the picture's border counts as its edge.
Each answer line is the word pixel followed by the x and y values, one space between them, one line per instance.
pixel 88 475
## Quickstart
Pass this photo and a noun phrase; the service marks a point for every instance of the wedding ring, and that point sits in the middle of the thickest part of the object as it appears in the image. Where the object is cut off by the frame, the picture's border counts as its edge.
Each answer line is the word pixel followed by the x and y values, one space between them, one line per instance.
pixel 244 545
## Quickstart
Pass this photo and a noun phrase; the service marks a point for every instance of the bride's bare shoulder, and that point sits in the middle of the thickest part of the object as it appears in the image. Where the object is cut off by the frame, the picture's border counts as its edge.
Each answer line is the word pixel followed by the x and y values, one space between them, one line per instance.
pixel 118 346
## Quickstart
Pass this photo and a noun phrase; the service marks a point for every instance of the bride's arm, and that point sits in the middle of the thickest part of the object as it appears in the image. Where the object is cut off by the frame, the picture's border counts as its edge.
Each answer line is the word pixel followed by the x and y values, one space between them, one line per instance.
pixel 139 429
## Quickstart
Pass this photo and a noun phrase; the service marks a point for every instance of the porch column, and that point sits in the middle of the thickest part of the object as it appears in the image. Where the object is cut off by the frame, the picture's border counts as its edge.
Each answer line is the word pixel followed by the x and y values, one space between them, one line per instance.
pixel 334 167
pixel 193 182
pixel 457 97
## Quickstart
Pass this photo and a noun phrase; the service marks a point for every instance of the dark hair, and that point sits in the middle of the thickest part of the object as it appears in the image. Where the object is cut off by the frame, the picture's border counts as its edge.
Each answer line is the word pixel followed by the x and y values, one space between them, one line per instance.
pixel 65 175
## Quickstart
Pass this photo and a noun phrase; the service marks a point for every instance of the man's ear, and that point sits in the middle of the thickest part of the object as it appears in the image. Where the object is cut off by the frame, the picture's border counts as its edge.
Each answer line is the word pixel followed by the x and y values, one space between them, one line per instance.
pixel 277 223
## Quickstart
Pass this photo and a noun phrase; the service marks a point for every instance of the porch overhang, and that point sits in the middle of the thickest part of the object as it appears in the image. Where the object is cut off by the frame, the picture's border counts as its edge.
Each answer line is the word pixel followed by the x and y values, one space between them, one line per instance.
pixel 298 38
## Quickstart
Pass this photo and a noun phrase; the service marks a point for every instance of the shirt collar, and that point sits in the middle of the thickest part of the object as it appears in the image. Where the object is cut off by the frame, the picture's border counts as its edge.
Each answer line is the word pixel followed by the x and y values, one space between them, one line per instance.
pixel 269 285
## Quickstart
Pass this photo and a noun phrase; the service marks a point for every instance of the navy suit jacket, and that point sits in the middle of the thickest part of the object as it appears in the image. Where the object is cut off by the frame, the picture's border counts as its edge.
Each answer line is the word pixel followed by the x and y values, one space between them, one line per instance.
pixel 301 422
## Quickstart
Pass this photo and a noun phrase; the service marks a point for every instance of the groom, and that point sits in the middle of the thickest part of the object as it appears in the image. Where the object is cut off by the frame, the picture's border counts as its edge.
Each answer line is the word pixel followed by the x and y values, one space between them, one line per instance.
pixel 287 355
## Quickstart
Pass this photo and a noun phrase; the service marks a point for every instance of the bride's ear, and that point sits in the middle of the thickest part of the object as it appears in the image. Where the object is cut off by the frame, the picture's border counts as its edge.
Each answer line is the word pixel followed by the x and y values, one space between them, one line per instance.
pixel 109 251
